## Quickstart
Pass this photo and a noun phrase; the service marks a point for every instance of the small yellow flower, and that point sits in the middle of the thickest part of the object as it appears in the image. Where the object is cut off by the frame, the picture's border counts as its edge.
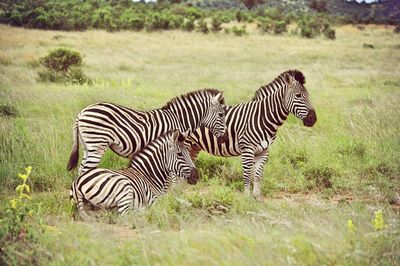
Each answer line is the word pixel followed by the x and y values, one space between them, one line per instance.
pixel 14 203
pixel 379 222
pixel 351 226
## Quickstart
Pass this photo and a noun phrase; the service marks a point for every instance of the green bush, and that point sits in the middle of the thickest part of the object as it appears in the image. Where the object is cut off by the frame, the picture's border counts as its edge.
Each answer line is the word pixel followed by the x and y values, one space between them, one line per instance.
pixel 202 26
pixel 239 31
pixel 269 25
pixel 188 25
pixel 239 16
pixel 131 20
pixel 62 65
pixel 215 24
pixel 61 59
pixel 265 25
pixel 319 176
pixel 312 26
pixel 159 21
pixel 104 18
pixel 329 33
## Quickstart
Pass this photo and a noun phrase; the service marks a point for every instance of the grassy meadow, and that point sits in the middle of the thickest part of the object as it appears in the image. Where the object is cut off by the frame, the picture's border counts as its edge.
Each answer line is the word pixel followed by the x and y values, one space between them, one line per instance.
pixel 347 167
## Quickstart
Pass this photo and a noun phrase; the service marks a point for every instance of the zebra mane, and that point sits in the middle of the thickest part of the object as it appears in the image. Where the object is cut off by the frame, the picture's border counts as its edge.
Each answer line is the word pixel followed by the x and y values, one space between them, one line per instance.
pixel 213 92
pixel 267 89
pixel 155 142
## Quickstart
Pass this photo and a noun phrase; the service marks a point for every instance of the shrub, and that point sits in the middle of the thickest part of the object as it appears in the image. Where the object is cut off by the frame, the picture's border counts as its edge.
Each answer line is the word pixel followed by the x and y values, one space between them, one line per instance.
pixel 193 13
pixel 61 59
pixel 103 18
pixel 306 32
pixel 397 29
pixel 238 16
pixel 239 31
pixel 202 26
pixel 265 25
pixel 188 25
pixel 62 66
pixel 268 25
pixel 329 33
pixel 319 176
pixel 130 19
pixel 312 26
pixel 159 21
pixel 280 27
pixel 215 24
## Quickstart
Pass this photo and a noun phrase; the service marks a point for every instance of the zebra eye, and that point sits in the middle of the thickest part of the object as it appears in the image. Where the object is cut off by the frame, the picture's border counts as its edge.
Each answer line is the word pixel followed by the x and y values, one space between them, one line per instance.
pixel 180 154
pixel 221 115
pixel 298 95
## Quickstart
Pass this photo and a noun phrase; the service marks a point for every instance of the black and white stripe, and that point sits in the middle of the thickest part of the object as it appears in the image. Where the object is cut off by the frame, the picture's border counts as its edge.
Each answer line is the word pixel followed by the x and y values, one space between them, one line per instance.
pixel 252 126
pixel 163 162
pixel 126 131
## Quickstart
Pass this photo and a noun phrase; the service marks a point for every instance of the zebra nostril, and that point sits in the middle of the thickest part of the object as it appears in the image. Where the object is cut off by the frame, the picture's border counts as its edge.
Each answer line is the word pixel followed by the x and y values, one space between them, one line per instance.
pixel 310 119
pixel 194 176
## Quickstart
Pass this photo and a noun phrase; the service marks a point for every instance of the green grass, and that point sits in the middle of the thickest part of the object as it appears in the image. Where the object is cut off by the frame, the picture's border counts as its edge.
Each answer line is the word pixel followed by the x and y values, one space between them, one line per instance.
pixel 345 167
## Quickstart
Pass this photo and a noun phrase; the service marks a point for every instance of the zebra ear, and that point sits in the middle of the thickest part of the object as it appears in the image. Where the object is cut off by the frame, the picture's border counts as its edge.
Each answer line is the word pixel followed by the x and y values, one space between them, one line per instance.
pixel 217 98
pixel 176 135
pixel 183 136
pixel 288 78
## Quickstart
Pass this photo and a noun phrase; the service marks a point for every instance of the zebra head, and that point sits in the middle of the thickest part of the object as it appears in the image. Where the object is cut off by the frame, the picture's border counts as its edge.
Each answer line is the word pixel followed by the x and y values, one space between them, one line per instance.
pixel 214 117
pixel 297 100
pixel 178 161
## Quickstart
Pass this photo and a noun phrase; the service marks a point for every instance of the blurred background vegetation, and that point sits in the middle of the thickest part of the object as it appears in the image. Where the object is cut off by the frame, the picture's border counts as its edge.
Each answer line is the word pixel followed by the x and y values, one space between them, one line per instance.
pixel 272 16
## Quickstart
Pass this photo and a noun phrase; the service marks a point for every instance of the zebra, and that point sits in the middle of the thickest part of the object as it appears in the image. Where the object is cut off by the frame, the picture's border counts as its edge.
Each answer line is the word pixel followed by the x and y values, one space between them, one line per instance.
pixel 127 131
pixel 152 171
pixel 252 126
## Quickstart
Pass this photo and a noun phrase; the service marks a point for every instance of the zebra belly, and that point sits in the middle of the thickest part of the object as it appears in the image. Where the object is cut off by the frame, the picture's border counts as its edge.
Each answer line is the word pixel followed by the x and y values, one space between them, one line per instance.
pixel 106 189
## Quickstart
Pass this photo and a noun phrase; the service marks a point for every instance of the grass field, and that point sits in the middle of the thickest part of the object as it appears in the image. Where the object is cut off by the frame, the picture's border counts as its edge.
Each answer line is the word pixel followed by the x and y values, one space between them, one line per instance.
pixel 346 167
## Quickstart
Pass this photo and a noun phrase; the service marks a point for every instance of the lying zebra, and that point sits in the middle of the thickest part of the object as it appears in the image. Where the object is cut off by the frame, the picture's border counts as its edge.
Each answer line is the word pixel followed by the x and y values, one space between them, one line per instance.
pixel 127 131
pixel 252 126
pixel 163 162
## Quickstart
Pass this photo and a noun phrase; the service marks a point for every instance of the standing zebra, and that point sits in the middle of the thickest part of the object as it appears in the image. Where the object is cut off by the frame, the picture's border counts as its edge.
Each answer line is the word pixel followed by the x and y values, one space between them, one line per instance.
pixel 127 131
pixel 150 174
pixel 252 126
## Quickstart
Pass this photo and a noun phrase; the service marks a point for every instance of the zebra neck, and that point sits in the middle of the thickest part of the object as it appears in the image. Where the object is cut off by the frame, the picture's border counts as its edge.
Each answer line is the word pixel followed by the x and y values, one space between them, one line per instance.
pixel 168 120
pixel 277 112
pixel 188 115
pixel 269 89
pixel 150 166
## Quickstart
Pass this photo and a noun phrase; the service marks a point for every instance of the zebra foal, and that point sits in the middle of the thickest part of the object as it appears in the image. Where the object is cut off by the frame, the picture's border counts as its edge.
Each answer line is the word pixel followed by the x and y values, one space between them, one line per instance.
pixel 150 174
pixel 127 131
pixel 252 126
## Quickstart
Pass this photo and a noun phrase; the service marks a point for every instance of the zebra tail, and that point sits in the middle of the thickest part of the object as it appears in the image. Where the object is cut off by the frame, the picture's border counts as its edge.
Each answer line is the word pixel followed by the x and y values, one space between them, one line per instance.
pixel 73 158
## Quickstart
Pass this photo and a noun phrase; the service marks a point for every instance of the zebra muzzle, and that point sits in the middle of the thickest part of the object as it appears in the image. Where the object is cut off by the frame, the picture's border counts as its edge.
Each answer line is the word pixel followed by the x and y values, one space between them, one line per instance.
pixel 194 176
pixel 310 119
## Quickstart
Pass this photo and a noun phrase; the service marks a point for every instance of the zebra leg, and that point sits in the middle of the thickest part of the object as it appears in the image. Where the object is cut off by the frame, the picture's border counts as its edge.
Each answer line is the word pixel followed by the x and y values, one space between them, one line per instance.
pixel 126 203
pixel 92 156
pixel 81 207
pixel 248 164
pixel 259 162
